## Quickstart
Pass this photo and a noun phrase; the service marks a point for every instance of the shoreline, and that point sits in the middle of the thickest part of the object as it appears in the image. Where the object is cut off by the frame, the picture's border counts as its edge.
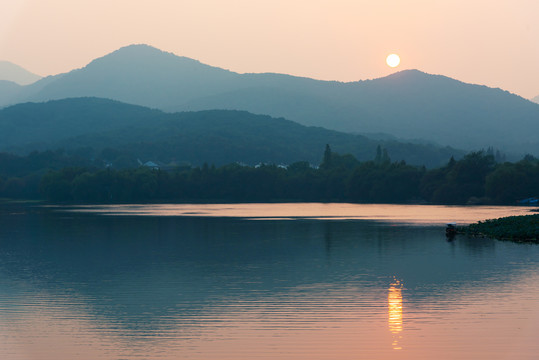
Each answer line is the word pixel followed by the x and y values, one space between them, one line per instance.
pixel 520 228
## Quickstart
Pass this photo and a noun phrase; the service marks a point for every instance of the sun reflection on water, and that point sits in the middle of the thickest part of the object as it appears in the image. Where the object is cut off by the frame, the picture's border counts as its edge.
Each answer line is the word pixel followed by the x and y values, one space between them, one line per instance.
pixel 394 308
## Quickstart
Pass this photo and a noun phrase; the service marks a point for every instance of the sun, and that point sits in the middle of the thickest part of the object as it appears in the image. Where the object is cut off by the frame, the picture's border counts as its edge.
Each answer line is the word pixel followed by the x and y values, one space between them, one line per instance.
pixel 393 60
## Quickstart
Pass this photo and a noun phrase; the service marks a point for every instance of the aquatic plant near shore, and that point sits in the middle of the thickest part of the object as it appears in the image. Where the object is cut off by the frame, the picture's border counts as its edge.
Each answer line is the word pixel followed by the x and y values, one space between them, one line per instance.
pixel 516 228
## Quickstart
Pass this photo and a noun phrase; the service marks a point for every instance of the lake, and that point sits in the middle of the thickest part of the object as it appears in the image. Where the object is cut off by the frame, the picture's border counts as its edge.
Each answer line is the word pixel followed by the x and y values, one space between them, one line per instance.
pixel 262 281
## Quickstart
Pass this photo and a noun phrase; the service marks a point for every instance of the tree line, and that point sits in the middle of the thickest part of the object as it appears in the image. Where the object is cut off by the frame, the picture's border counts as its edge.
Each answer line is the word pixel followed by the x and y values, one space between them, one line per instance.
pixel 475 179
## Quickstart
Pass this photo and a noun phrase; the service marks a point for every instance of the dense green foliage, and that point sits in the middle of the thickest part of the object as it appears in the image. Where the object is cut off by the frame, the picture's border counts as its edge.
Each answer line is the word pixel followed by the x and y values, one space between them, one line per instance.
pixel 299 182
pixel 20 176
pixel 510 181
pixel 475 179
pixel 519 228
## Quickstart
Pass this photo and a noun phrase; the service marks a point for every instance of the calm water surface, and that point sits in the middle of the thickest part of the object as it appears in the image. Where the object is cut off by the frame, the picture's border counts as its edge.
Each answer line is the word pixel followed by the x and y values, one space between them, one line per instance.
pixel 312 281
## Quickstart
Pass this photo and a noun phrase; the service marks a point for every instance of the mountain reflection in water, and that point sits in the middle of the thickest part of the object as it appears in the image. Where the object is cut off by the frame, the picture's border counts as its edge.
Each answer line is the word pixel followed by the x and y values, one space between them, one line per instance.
pixel 83 286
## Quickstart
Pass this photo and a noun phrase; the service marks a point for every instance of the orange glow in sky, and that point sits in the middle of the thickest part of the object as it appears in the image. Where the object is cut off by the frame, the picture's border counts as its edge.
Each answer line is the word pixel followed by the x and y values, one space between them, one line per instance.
pixel 341 40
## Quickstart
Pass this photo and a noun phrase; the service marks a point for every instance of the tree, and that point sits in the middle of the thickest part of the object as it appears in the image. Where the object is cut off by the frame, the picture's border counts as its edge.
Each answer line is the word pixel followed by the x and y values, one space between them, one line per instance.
pixel 386 160
pixel 378 157
pixel 327 159
pixel 382 157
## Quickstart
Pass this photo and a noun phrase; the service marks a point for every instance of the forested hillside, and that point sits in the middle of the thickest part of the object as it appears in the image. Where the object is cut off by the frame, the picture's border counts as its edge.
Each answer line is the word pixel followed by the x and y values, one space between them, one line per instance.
pixel 120 134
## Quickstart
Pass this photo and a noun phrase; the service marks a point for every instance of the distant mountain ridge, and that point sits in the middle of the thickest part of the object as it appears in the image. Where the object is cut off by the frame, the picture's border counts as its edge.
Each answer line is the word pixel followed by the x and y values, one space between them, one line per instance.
pixel 409 104
pixel 536 99
pixel 212 136
pixel 15 73
pixel 9 91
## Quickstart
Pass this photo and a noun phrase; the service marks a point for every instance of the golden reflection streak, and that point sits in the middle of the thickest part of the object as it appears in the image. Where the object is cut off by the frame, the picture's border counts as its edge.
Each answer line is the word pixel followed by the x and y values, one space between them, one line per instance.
pixel 394 309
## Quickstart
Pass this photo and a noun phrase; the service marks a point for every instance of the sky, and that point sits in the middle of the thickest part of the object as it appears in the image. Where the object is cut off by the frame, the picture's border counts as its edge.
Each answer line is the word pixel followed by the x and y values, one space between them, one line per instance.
pixel 488 42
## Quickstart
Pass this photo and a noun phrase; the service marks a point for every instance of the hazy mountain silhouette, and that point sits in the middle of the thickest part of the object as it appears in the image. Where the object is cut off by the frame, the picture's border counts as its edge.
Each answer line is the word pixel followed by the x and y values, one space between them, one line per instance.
pixel 409 104
pixel 9 91
pixel 46 123
pixel 136 74
pixel 536 99
pixel 16 74
pixel 216 136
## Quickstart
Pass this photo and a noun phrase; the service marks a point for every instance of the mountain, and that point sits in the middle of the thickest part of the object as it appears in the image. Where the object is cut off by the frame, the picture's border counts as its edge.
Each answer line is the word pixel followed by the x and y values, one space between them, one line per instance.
pixel 536 99
pixel 100 126
pixel 9 91
pixel 16 74
pixel 409 104
pixel 136 74
pixel 36 125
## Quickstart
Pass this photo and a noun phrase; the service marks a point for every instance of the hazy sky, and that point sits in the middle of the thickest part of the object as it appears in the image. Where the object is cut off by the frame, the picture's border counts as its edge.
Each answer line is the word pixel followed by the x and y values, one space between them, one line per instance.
pixel 490 42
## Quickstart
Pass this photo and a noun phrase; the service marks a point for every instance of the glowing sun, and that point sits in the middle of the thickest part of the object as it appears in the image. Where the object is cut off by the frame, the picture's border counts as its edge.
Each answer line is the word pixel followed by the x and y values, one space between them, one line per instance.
pixel 393 60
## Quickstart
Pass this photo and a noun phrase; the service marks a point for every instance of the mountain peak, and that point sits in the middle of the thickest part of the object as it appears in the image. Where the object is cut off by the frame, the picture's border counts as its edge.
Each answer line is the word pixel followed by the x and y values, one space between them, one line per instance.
pixel 138 74
pixel 139 50
pixel 408 72
pixel 142 54
pixel 414 74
